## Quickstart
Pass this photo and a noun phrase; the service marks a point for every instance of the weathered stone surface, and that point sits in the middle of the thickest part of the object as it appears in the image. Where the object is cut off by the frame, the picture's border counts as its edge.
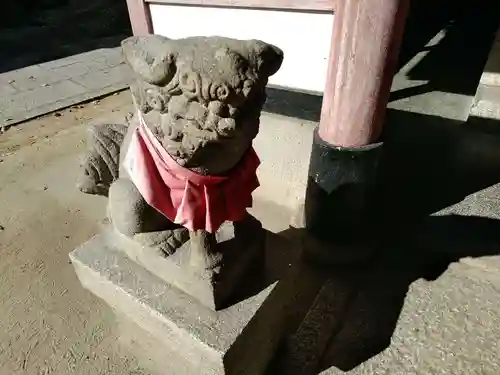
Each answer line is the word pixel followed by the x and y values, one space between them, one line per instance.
pixel 202 98
pixel 101 162
pixel 40 89
pixel 6 88
pixel 12 106
pixel 96 60
pixel 202 95
pixel 200 337
pixel 108 77
pixel 212 287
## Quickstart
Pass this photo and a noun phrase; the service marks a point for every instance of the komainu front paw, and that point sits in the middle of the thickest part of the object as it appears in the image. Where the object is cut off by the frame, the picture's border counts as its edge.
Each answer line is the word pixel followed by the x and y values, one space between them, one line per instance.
pixel 166 241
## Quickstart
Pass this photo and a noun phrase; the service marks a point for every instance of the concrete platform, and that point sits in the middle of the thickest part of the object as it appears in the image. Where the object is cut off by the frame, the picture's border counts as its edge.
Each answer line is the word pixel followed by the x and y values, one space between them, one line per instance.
pixel 446 326
pixel 430 308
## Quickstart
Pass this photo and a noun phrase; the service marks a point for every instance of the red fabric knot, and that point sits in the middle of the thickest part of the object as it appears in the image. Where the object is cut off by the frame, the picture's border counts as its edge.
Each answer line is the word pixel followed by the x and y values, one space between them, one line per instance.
pixel 186 197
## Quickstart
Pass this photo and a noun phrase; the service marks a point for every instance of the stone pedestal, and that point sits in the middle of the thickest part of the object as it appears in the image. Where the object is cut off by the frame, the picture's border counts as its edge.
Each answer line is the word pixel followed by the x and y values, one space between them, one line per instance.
pixel 184 258
pixel 240 246
pixel 198 336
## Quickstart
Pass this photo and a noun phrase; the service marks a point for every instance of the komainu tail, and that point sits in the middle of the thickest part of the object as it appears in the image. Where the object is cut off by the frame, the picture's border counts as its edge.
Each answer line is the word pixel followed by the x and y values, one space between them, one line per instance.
pixel 101 162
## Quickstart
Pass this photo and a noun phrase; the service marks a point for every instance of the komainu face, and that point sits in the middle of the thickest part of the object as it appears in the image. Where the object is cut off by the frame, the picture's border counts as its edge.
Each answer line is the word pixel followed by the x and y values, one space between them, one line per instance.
pixel 202 96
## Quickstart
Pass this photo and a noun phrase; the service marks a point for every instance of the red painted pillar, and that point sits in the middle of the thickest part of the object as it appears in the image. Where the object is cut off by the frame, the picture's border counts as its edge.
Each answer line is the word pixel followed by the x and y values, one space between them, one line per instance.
pixel 345 154
pixel 365 45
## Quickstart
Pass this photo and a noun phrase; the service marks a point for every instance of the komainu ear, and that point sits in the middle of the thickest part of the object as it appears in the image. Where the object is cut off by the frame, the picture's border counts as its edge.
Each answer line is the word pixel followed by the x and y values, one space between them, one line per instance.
pixel 269 57
pixel 151 57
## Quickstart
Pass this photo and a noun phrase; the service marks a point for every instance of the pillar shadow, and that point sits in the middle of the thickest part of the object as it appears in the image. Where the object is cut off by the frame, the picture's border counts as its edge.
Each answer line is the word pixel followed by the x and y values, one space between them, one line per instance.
pixel 430 162
pixel 369 318
pixel 437 16
pixel 348 316
pixel 456 63
pixel 350 313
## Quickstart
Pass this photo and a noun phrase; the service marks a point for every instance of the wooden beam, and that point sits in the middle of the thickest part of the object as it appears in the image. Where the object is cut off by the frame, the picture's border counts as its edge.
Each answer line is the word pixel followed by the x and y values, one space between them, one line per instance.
pixel 140 17
pixel 304 5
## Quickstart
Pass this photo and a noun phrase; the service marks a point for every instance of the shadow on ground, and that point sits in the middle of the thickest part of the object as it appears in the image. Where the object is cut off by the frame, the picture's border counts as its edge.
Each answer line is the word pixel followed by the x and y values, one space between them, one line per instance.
pixel 456 63
pixel 453 65
pixel 33 32
pixel 342 317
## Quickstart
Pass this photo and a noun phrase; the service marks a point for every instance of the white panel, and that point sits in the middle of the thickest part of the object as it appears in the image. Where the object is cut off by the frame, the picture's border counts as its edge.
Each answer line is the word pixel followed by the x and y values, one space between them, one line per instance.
pixel 304 37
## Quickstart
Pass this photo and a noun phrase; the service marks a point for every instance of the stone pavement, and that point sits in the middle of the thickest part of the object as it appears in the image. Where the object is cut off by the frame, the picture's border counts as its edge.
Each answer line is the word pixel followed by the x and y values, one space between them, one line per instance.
pixel 487 100
pixel 39 89
pixel 449 326
pixel 446 326
pixel 446 322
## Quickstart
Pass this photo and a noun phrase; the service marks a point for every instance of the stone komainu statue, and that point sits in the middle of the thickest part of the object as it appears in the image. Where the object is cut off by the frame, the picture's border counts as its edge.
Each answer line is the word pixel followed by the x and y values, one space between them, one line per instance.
pixel 200 98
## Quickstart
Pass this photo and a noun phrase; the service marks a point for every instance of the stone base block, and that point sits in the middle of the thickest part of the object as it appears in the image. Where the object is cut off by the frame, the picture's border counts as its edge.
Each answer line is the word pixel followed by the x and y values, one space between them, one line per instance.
pixel 242 262
pixel 235 340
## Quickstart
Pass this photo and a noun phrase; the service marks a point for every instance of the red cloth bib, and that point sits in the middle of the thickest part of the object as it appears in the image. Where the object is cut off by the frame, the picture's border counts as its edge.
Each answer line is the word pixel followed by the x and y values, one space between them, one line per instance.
pixel 185 197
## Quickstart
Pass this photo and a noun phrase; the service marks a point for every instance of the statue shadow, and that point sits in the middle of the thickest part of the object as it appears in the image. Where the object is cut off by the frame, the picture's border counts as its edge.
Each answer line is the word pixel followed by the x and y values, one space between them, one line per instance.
pixel 342 316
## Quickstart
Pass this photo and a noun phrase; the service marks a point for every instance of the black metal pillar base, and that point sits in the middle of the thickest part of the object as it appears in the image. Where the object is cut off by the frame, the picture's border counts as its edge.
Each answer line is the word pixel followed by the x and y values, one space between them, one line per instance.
pixel 340 221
